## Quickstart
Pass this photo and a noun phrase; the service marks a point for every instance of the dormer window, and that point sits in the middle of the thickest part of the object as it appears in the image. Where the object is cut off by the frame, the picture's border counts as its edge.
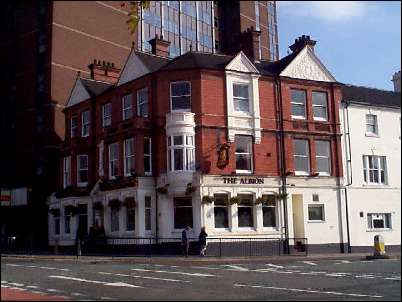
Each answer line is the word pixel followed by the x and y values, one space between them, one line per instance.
pixel 180 93
pixel 241 100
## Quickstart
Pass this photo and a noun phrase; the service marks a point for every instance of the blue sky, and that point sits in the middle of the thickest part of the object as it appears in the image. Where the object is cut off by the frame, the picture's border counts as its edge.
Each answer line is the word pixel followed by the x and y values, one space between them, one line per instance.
pixel 358 41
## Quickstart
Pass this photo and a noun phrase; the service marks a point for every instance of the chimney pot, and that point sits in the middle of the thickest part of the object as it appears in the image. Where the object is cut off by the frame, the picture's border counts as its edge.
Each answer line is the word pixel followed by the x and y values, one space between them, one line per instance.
pixel 301 42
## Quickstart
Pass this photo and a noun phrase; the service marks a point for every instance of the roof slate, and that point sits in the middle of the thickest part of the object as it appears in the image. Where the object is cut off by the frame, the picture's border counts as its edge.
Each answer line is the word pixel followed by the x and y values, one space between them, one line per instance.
pixel 371 96
pixel 152 62
pixel 95 88
pixel 195 59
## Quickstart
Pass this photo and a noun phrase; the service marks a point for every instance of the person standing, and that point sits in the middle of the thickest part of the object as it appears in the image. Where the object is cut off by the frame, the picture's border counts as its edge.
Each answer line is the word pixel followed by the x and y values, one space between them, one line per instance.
pixel 185 235
pixel 203 241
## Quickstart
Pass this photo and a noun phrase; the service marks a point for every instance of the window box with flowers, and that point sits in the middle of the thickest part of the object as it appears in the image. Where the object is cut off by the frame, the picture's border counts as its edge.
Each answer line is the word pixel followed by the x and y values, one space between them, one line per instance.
pixel 234 200
pixel 190 189
pixel 207 199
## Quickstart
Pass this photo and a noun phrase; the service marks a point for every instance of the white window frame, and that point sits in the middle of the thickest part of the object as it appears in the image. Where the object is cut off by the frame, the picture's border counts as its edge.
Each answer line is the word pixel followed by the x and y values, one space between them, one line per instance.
pixel 242 98
pixel 252 206
pixel 79 168
pixel 147 211
pixel 366 170
pixel 375 125
pixel 73 126
pixel 57 221
pixel 106 119
pixel 242 153
pixel 171 97
pixel 188 152
pixel 297 172
pixel 141 102
pixel 299 117
pixel 324 173
pixel 320 106
pixel 128 157
pixel 127 218
pixel 85 125
pixel 66 171
pixel 316 205
pixel 117 212
pixel 275 206
pixel 65 222
pixel 113 161
pixel 148 155
pixel 127 111
pixel 225 205
pixel 371 217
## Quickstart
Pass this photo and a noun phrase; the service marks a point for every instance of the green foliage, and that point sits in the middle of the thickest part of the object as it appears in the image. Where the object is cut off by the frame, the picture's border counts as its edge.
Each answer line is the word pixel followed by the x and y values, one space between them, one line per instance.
pixel 133 14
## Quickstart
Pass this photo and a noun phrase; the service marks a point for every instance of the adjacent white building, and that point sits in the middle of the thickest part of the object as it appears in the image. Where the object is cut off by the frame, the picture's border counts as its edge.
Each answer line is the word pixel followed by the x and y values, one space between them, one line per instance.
pixel 371 148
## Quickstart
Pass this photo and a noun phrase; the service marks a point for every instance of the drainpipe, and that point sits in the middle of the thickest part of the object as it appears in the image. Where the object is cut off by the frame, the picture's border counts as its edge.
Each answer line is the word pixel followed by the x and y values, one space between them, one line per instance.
pixel 282 161
pixel 156 213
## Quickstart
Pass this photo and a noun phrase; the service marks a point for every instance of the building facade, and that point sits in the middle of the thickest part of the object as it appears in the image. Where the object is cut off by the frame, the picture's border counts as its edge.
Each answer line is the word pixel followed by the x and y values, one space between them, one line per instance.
pixel 372 160
pixel 63 38
pixel 242 147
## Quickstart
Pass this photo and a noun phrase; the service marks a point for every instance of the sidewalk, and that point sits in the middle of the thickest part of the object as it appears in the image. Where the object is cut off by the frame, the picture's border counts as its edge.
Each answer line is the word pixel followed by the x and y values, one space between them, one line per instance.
pixel 193 259
pixel 8 294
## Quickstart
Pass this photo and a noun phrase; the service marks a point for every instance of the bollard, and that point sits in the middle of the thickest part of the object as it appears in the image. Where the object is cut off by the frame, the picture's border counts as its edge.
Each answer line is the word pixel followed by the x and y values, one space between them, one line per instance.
pixel 379 246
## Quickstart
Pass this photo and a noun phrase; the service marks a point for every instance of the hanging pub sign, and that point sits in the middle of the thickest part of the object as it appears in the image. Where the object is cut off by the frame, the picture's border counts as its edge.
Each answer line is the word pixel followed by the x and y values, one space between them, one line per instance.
pixel 223 156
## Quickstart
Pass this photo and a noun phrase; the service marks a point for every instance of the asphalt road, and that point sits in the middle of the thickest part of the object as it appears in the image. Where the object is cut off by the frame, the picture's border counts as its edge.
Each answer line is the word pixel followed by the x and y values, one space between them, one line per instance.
pixel 310 280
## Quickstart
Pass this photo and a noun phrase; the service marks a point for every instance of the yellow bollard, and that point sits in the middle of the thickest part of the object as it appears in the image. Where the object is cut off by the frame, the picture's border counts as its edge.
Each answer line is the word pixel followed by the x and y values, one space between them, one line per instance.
pixel 379 246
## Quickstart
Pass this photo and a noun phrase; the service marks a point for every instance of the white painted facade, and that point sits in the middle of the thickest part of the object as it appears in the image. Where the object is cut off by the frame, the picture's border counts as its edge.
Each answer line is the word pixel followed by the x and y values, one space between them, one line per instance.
pixel 368 198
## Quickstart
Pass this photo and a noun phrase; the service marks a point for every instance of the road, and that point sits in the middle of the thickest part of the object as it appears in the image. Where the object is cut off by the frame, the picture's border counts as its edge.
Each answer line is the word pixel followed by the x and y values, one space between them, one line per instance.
pixel 342 280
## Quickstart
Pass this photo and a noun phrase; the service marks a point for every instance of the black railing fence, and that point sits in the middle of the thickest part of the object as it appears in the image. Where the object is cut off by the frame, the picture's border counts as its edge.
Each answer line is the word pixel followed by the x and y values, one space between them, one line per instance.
pixel 151 246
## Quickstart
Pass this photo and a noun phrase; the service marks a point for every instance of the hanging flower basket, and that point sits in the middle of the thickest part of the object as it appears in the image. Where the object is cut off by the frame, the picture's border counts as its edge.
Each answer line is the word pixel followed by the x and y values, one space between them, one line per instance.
pixel 71 210
pixel 98 205
pixel 55 212
pixel 162 190
pixel 129 202
pixel 115 204
pixel 259 200
pixel 234 200
pixel 190 189
pixel 280 196
pixel 207 199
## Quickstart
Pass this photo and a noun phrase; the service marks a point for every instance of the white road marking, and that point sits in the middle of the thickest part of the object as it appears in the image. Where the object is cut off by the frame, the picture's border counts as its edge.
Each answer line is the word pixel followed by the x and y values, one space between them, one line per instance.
pixel 306 290
pixel 3 282
pixel 205 267
pixel 106 298
pixel 77 294
pixel 393 278
pixel 52 290
pixel 95 281
pixel 273 265
pixel 11 264
pixel 32 266
pixel 144 277
pixel 342 261
pixel 16 284
pixel 32 286
pixel 309 263
pixel 236 268
pixel 366 276
pixel 337 274
pixel 54 268
pixel 5 286
pixel 169 272
pixel 38 292
pixel 19 288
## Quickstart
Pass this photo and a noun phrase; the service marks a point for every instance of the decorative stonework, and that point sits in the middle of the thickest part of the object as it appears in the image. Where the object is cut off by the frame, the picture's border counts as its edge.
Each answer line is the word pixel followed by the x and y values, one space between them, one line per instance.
pixel 242 64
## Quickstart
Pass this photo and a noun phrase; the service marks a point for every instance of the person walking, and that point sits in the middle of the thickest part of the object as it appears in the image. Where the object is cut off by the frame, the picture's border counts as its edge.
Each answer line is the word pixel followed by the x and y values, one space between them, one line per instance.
pixel 203 241
pixel 185 235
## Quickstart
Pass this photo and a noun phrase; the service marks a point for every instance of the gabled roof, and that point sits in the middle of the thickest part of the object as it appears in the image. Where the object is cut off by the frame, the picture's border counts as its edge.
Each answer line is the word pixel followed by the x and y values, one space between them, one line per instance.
pixel 196 60
pixel 86 88
pixel 371 96
pixel 95 88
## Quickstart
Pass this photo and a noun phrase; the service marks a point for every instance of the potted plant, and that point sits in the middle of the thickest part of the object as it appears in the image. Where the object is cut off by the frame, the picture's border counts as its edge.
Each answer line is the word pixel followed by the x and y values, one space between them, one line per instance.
pixel 55 212
pixel 115 203
pixel 190 189
pixel 234 200
pixel 207 199
pixel 129 202
pixel 98 205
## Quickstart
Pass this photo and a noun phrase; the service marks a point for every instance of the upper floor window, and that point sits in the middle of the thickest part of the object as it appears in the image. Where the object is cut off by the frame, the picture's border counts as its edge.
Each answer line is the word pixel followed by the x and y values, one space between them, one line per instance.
pixel 127 106
pixel 106 115
pixel 180 96
pixel 181 153
pixel 320 106
pixel 82 170
pixel 298 102
pixel 371 124
pixel 73 126
pixel 374 169
pixel 301 156
pixel 323 157
pixel 85 120
pixel 66 171
pixel 241 98
pixel 129 163
pixel 147 156
pixel 142 102
pixel 244 153
pixel 113 160
pixel 379 221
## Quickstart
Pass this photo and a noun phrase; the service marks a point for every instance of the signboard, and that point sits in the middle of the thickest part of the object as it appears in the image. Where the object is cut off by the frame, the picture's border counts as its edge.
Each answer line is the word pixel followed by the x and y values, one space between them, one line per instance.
pixel 5 197
pixel 243 180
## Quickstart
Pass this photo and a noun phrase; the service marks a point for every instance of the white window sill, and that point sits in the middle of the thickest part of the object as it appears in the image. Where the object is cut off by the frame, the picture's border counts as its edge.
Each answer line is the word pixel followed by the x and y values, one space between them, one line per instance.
pixel 221 230
pixel 375 185
pixel 150 173
pixel 85 135
pixel 318 119
pixel 315 221
pixel 324 174
pixel 270 229
pixel 243 113
pixel 378 230
pixel 246 229
pixel 368 134
pixel 82 184
pixel 297 117
pixel 243 172
pixel 301 173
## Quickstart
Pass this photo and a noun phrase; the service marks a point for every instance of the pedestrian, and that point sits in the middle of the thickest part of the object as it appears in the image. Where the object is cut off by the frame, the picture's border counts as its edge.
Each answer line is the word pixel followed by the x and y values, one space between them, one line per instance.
pixel 203 241
pixel 185 235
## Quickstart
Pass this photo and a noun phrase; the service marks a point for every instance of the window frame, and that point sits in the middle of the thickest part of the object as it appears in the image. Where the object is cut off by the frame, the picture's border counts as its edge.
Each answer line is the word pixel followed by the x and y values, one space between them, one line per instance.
pixel 133 212
pixel 299 172
pixel 85 126
pixel 224 205
pixel 329 159
pixel 148 173
pixel 139 103
pixel 79 169
pixel 130 157
pixel 184 95
pixel 249 206
pixel 186 148
pixel 239 98
pixel 65 222
pixel 375 125
pixel 66 171
pixel 148 213
pixel 382 167
pixel 73 130
pixel 298 117
pixel 186 206
pixel 276 213
pixel 316 205
pixel 114 223
pixel 320 106
pixel 106 117
pixel 240 171
pixel 126 112
pixel 386 221
pixel 114 161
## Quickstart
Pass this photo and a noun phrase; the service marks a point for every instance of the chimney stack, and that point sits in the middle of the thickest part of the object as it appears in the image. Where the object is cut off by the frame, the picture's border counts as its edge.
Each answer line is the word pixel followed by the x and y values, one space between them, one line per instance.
pixel 250 43
pixel 104 71
pixel 159 46
pixel 301 42
pixel 396 78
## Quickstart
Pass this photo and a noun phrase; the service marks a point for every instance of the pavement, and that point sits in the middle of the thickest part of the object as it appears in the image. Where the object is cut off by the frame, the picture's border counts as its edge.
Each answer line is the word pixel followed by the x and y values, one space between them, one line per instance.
pixel 314 278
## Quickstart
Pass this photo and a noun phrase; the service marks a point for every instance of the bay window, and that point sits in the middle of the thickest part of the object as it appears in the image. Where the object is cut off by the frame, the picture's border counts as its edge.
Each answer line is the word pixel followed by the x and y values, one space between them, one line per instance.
pixel 244 154
pixel 241 97
pixel 323 157
pixel 113 160
pixel 245 211
pixel 180 93
pixel 142 102
pixel 106 115
pixel 301 156
pixel 221 212
pixel 181 153
pixel 82 170
pixel 85 120
pixel 129 163
pixel 127 106
pixel 298 103
pixel 320 106
pixel 374 169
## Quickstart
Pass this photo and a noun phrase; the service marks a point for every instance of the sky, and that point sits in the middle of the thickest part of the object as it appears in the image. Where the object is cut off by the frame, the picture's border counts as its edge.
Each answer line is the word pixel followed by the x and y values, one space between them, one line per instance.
pixel 358 41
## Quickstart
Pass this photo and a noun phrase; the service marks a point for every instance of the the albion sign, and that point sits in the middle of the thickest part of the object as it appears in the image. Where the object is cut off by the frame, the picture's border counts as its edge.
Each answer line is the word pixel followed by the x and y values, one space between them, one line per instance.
pixel 243 180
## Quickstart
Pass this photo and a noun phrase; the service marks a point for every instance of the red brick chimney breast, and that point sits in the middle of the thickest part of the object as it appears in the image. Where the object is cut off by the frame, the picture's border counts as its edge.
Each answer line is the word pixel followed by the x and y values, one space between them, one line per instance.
pixel 104 71
pixel 159 46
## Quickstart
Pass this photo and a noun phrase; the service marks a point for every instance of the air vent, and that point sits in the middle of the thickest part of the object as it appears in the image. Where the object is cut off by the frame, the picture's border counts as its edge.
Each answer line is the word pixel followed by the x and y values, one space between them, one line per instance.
pixel 316 197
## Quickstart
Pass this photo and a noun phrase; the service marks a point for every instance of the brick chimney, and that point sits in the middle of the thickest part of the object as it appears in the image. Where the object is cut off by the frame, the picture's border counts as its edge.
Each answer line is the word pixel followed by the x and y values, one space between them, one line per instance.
pixel 301 42
pixel 250 43
pixel 396 78
pixel 159 46
pixel 104 71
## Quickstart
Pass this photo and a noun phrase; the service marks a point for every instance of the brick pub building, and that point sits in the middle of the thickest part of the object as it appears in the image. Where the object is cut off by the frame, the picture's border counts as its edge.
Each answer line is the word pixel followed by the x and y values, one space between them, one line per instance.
pixel 242 146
